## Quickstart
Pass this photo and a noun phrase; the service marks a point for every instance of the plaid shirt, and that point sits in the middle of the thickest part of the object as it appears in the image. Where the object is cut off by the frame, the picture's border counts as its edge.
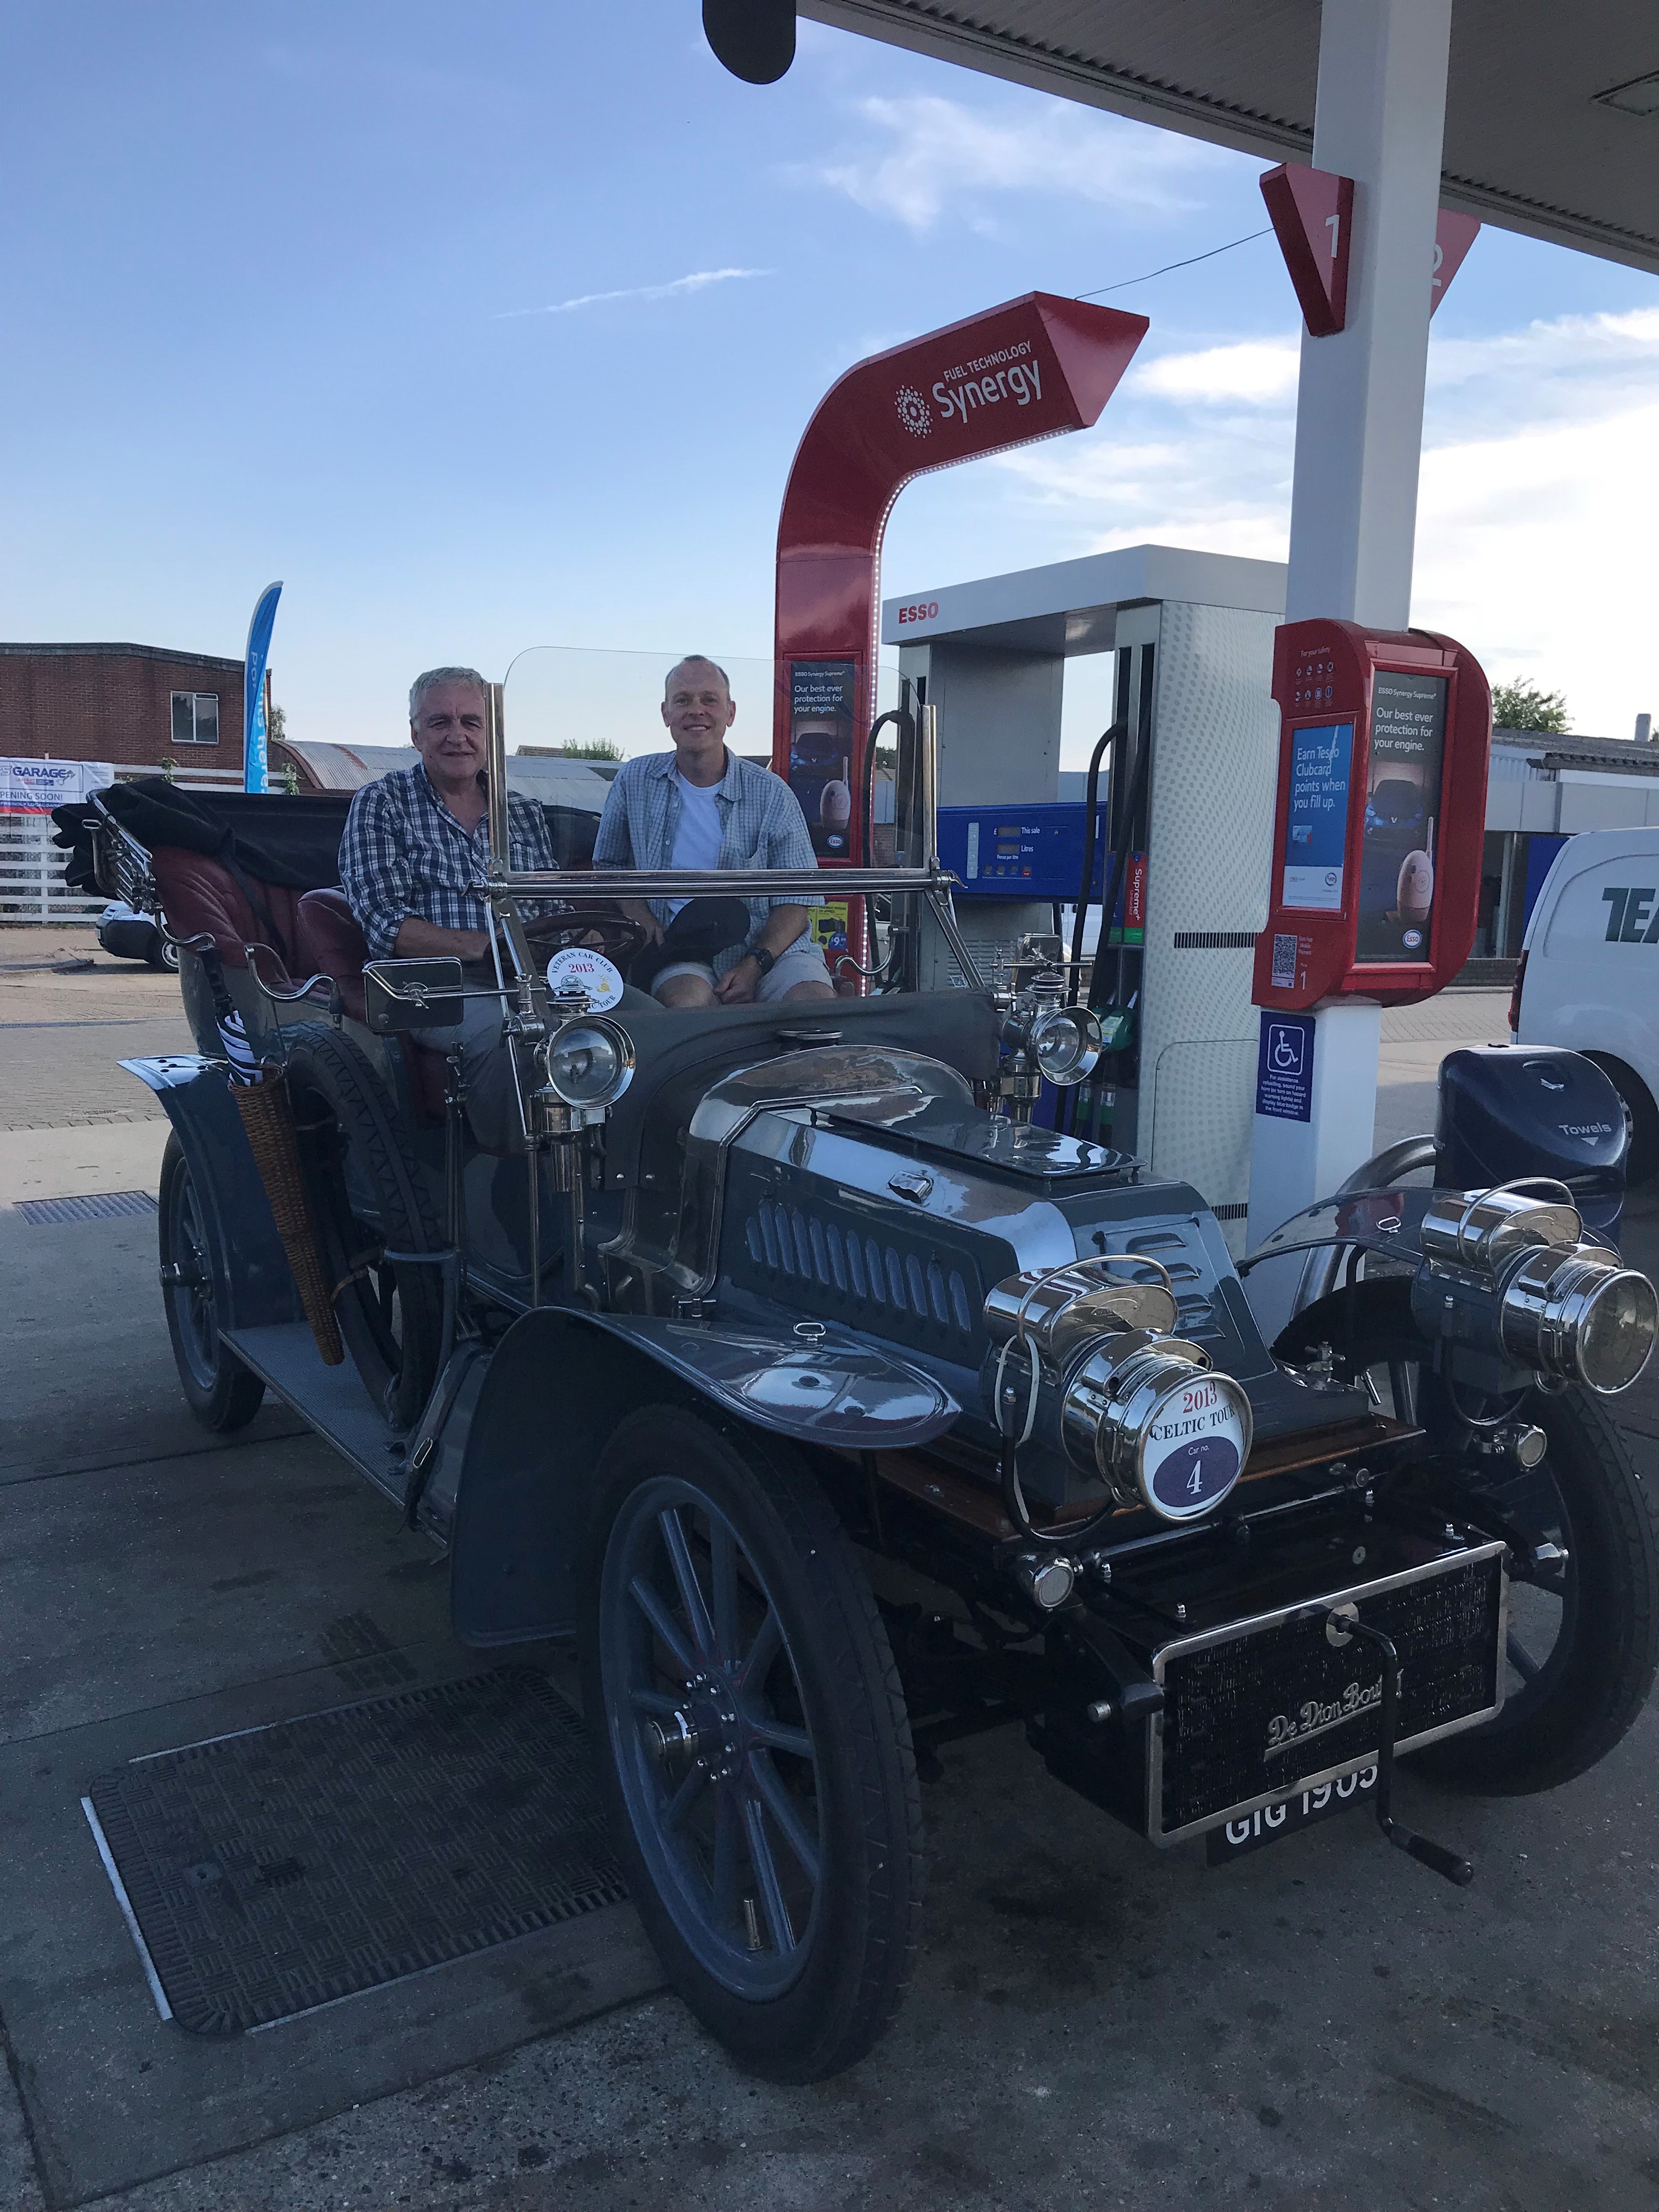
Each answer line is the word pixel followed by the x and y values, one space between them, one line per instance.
pixel 404 853
pixel 762 826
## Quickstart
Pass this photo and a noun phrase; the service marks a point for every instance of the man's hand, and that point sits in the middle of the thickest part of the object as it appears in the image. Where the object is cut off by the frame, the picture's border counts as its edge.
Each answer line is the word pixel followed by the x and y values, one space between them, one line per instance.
pixel 424 940
pixel 737 986
pixel 637 910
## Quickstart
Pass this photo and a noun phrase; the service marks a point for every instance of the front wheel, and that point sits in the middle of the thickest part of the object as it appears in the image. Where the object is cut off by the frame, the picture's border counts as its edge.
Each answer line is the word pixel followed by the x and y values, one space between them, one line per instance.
pixel 219 1391
pixel 1582 1643
pixel 754 1749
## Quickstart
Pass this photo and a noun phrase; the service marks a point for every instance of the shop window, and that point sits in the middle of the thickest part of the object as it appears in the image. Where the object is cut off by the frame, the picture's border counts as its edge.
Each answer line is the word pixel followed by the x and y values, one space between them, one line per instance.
pixel 195 718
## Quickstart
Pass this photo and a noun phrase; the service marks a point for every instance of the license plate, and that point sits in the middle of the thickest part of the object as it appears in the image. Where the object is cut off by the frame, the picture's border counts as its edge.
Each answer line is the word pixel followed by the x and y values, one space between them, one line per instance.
pixel 1269 1822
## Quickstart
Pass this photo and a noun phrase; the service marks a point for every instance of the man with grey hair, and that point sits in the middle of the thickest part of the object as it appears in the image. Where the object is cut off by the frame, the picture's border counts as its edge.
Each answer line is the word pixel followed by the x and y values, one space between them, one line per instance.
pixel 417 841
pixel 416 844
pixel 702 806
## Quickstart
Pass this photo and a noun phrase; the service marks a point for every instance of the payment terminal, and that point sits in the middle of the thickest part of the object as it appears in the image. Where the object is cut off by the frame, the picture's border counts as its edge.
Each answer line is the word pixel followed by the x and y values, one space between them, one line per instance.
pixel 1380 815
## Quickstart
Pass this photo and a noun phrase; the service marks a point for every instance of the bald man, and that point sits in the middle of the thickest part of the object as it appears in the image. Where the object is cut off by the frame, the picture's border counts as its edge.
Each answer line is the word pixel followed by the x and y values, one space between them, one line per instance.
pixel 699 806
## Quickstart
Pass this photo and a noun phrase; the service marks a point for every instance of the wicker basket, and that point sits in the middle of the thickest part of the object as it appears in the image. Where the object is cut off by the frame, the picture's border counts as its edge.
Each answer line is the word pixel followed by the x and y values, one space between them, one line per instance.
pixel 268 1118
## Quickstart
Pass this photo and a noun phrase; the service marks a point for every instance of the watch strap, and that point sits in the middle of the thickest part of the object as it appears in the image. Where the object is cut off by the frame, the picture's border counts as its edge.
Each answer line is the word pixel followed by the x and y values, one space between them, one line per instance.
pixel 764 960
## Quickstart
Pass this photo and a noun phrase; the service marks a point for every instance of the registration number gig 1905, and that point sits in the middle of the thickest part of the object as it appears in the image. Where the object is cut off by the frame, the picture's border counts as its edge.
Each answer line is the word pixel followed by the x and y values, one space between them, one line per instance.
pixel 1269 1822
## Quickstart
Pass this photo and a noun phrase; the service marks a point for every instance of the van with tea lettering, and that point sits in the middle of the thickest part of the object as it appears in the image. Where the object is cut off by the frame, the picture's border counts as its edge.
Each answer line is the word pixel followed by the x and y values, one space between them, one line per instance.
pixel 1589 971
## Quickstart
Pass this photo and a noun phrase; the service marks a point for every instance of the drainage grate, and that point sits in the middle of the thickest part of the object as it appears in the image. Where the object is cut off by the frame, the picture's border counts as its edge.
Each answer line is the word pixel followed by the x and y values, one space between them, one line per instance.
pixel 280 1870
pixel 107 1205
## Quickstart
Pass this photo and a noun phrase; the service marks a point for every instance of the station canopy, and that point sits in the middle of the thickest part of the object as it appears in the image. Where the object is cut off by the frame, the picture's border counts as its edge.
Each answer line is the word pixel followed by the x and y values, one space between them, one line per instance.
pixel 1552 111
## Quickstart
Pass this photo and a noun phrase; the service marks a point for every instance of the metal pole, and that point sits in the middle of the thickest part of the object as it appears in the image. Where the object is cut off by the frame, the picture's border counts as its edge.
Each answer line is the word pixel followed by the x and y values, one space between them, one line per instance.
pixel 930 785
pixel 495 771
pixel 535 1169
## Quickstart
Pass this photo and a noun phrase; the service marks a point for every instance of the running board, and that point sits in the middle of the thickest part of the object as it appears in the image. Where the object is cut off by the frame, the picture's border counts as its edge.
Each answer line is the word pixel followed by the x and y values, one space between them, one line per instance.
pixel 332 1400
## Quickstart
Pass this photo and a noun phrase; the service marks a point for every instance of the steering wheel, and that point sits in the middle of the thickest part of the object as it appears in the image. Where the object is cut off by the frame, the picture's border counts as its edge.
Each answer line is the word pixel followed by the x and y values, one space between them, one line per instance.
pixel 598 923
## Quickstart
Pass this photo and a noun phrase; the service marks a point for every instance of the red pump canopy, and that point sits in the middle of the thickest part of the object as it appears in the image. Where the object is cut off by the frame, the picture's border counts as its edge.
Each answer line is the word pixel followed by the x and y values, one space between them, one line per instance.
pixel 1028 369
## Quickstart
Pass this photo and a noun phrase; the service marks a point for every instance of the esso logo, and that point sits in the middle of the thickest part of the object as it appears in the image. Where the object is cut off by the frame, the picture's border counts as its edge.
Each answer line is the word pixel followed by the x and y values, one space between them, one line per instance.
pixel 920 610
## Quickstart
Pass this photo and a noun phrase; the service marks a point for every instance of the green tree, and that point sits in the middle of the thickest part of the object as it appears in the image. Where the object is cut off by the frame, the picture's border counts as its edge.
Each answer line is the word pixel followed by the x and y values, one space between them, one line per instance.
pixel 1524 705
pixel 279 729
pixel 590 748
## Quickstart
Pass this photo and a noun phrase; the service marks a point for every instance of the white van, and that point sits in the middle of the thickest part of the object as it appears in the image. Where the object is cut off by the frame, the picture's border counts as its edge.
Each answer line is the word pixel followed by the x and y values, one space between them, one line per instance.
pixel 1589 970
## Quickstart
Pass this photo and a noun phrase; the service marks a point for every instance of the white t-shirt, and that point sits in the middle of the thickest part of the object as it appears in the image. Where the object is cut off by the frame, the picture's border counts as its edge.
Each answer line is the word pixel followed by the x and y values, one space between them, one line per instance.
pixel 697 834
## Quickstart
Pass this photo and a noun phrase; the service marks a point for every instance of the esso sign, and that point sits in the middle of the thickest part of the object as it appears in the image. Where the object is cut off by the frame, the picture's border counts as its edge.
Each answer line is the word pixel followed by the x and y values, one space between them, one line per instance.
pixel 920 610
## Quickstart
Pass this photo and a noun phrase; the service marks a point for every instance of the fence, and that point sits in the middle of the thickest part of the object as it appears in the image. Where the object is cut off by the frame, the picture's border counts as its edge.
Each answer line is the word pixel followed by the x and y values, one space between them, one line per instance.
pixel 31 875
pixel 32 888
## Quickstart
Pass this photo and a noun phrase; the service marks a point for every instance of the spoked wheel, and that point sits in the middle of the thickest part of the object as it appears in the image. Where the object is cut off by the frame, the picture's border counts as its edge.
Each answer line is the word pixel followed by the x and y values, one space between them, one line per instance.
pixel 369 1198
pixel 219 1391
pixel 754 1749
pixel 1582 1640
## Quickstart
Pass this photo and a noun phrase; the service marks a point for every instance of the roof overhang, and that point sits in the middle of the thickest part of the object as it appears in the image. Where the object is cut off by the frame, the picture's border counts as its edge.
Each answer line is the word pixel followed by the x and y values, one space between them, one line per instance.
pixel 1071 607
pixel 1551 130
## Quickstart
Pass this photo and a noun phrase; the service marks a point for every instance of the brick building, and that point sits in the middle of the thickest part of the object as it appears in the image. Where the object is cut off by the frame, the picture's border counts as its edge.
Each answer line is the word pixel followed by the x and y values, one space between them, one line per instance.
pixel 133 705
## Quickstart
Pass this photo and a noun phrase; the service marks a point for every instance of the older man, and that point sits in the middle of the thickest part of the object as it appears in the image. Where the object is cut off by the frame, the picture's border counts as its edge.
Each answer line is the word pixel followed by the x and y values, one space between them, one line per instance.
pixel 699 806
pixel 416 843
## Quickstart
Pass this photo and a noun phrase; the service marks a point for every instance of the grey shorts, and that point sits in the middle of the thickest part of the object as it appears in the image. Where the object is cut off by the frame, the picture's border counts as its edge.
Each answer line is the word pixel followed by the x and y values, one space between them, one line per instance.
pixel 799 962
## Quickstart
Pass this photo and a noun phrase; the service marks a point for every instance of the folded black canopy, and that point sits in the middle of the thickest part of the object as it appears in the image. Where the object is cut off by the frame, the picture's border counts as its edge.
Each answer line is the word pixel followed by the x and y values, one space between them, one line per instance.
pixel 294 841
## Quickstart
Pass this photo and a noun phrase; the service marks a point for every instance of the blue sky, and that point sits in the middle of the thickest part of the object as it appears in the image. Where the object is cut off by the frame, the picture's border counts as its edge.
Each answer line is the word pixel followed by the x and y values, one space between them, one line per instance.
pixel 275 285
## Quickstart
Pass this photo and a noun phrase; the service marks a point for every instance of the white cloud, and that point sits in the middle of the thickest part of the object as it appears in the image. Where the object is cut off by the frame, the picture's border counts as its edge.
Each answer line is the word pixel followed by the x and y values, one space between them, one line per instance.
pixel 1537 542
pixel 1260 373
pixel 930 152
pixel 1538 551
pixel 698 281
pixel 1571 346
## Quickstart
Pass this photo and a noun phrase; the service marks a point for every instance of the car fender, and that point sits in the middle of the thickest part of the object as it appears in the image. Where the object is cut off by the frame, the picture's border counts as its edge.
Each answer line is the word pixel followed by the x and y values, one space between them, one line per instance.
pixel 560 1382
pixel 253 1284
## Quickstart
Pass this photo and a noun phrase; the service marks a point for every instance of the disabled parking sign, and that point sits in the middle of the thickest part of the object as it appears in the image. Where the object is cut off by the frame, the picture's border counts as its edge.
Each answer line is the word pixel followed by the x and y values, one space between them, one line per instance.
pixel 1284 1067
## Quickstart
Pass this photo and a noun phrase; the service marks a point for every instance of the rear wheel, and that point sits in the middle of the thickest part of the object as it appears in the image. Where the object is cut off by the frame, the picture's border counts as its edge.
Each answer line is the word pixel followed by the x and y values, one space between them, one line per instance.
pixel 1642 1163
pixel 754 1749
pixel 369 1198
pixel 219 1391
pixel 1583 1639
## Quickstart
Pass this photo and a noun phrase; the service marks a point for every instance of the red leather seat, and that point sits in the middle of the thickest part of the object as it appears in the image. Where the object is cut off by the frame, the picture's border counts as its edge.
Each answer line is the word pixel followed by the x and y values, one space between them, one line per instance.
pixel 333 944
pixel 201 897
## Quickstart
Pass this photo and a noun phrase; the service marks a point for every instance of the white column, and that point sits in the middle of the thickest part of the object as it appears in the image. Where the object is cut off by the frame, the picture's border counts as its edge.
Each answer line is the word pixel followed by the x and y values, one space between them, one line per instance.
pixel 1379 118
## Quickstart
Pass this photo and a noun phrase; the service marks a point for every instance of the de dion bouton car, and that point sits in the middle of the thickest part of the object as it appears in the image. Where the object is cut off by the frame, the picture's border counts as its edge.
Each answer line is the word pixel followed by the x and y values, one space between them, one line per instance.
pixel 835 1408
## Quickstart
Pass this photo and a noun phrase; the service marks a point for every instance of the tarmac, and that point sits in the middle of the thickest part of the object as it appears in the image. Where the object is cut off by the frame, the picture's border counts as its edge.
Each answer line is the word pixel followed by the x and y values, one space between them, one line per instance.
pixel 1092 2022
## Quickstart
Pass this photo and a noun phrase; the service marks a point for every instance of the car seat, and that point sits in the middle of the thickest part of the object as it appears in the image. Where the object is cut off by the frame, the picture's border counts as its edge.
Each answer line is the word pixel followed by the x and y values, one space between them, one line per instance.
pixel 333 945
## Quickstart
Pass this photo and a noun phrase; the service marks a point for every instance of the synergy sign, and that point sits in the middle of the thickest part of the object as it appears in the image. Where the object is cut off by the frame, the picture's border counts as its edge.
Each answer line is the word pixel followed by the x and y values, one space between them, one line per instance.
pixel 1012 374
pixel 1028 369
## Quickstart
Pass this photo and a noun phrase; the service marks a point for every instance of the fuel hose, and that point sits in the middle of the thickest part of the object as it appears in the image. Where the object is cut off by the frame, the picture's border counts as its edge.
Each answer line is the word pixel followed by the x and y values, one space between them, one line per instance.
pixel 1090 823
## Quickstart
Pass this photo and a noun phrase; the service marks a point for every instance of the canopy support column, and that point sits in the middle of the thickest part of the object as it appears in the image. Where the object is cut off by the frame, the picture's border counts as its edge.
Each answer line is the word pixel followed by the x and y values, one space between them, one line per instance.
pixel 1379 118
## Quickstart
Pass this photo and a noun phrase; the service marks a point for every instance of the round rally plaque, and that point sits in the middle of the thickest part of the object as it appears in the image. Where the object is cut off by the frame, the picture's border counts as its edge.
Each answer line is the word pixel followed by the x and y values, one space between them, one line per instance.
pixel 1194 1448
pixel 578 968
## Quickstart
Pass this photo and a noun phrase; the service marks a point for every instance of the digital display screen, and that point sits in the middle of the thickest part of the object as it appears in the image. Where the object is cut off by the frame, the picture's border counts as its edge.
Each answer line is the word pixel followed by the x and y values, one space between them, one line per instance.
pixel 821 716
pixel 1316 818
pixel 1403 809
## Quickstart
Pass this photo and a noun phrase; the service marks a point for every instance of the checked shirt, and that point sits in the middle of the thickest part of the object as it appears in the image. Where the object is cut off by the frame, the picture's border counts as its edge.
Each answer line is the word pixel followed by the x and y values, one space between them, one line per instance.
pixel 762 826
pixel 404 853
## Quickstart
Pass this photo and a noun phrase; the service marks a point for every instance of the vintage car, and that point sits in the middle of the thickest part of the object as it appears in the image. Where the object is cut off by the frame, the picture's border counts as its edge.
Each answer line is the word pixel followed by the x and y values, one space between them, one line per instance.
pixel 837 1409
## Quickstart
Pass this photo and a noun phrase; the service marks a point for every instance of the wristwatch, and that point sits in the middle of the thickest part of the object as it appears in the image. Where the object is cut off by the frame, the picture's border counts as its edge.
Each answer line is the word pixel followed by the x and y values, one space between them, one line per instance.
pixel 765 961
